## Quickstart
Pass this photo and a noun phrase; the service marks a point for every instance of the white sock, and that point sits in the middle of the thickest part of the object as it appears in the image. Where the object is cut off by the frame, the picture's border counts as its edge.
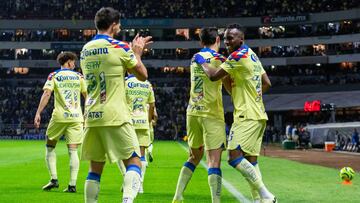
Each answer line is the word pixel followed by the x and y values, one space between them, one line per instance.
pixel 92 188
pixel 254 192
pixel 143 169
pixel 214 180
pixel 74 166
pixel 132 181
pixel 50 158
pixel 185 175
pixel 150 148
pixel 249 172
pixel 121 167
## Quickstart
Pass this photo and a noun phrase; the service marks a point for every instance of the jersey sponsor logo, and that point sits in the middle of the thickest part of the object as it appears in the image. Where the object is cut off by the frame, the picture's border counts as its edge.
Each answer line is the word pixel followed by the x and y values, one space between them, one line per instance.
pixel 92 52
pixel 196 108
pixel 91 65
pixel 95 115
pixel 71 115
pixel 61 78
pixel 135 84
pixel 139 121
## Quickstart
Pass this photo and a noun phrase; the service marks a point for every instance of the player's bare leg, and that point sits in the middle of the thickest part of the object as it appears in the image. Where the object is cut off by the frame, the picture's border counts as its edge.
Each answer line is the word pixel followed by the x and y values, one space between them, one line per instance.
pixel 132 179
pixel 237 160
pixel 92 183
pixel 74 167
pixel 186 172
pixel 214 173
pixel 50 158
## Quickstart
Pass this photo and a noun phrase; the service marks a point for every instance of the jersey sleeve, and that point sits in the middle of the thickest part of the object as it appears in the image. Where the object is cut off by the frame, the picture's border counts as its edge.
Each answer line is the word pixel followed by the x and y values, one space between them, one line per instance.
pixel 50 83
pixel 230 66
pixel 128 58
pixel 262 71
pixel 151 96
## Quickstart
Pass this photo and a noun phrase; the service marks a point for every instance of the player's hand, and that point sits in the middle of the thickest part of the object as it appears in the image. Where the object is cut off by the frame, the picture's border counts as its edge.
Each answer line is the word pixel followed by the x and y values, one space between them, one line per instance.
pixel 138 44
pixel 37 120
pixel 199 59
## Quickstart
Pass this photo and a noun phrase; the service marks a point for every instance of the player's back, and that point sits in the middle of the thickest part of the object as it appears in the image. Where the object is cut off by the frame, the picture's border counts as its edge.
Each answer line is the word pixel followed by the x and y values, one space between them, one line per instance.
pixel 67 86
pixel 139 94
pixel 104 62
pixel 246 72
pixel 205 95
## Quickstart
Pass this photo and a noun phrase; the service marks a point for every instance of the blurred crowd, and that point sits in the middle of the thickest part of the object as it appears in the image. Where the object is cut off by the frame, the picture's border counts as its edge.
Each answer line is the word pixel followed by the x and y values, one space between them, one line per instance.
pixel 306 75
pixel 18 104
pixel 85 9
pixel 264 32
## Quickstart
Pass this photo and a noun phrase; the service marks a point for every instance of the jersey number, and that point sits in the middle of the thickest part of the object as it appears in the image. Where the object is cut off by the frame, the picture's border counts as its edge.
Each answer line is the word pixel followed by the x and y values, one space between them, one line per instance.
pixel 198 87
pixel 71 99
pixel 93 82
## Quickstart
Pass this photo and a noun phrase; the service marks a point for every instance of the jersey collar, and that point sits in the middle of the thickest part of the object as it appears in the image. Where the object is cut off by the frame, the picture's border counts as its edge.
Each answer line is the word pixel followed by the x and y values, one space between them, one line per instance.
pixel 244 46
pixel 130 76
pixel 101 36
pixel 206 49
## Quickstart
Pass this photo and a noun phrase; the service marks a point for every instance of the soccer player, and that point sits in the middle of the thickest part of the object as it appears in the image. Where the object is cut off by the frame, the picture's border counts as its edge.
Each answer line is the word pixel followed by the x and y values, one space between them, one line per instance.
pixel 108 127
pixel 205 118
pixel 139 96
pixel 67 117
pixel 249 82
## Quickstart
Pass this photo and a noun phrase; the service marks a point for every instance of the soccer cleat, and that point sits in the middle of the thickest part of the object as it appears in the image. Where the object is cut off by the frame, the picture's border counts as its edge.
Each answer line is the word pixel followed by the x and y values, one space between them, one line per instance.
pixel 70 189
pixel 150 157
pixel 141 189
pixel 273 200
pixel 52 184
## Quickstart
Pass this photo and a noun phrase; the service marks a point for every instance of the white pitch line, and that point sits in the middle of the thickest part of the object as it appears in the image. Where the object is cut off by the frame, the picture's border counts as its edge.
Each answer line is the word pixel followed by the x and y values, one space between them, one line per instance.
pixel 229 187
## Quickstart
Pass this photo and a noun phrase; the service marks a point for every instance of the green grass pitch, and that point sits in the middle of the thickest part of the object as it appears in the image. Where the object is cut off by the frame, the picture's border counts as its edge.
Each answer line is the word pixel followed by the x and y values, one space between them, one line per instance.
pixel 23 172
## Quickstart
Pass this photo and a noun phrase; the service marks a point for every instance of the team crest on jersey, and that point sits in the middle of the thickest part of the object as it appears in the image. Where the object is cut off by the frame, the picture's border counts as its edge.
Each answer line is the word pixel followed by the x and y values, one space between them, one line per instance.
pixel 254 57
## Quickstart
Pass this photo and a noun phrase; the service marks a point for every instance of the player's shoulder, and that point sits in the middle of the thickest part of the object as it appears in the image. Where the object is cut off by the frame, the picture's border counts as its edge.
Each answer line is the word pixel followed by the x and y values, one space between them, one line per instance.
pixel 240 53
pixel 79 74
pixel 118 44
pixel 52 74
pixel 218 57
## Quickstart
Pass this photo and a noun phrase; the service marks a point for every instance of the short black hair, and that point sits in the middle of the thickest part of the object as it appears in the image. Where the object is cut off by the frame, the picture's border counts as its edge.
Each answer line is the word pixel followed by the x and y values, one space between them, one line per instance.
pixel 65 56
pixel 236 26
pixel 105 17
pixel 208 35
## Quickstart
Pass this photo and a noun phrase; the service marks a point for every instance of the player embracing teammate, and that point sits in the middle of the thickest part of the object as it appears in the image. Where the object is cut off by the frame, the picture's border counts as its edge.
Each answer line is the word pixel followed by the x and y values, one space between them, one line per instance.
pixel 248 82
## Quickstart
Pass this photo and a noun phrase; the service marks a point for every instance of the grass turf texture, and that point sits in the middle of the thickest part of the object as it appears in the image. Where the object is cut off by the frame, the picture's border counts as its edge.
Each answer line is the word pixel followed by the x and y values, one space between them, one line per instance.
pixel 23 172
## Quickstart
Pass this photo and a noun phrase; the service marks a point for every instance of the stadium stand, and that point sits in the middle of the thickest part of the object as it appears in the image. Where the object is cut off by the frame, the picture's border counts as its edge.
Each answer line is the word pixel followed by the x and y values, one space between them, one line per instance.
pixel 319 53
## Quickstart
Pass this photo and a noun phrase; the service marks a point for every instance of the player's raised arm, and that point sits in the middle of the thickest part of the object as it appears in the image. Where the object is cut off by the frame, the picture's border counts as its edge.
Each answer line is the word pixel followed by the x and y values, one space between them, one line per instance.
pixel 43 102
pixel 214 74
pixel 137 46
